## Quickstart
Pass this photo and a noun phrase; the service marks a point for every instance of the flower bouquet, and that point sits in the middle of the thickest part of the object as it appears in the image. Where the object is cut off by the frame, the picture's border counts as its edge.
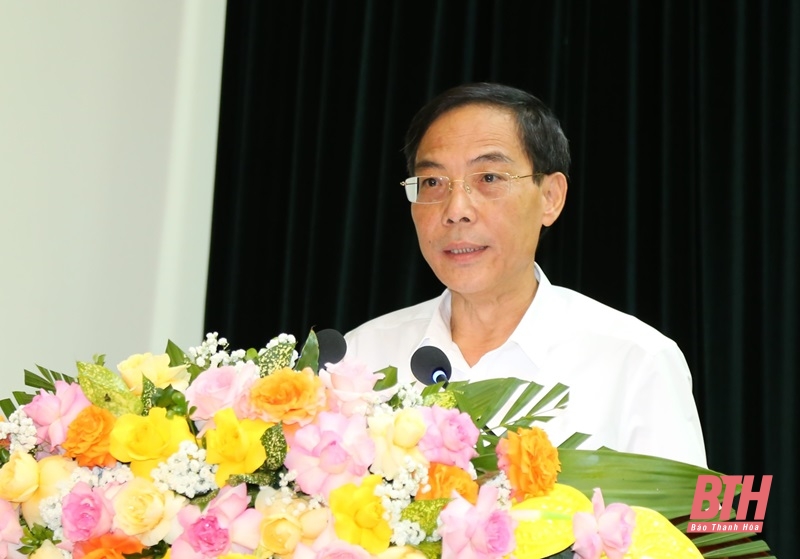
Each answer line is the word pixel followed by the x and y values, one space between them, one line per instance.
pixel 265 453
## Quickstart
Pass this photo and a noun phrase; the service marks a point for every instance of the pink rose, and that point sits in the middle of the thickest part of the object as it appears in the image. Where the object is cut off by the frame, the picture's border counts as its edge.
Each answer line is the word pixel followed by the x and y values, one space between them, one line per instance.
pixel 476 532
pixel 450 438
pixel 52 413
pixel 219 388
pixel 10 530
pixel 336 549
pixel 609 530
pixel 227 525
pixel 350 387
pixel 332 451
pixel 86 513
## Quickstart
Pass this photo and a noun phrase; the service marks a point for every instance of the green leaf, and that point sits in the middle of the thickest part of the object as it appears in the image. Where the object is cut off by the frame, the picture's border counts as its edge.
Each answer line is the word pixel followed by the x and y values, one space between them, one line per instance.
pixel 389 378
pixel 737 550
pixel 485 462
pixel 559 390
pixel 425 513
pixel 256 478
pixel 149 394
pixel 309 356
pixel 528 394
pixel 573 442
pixel 107 390
pixel 431 389
pixel 716 538
pixel 274 443
pixel 203 500
pixel 22 398
pixel 46 373
pixel 443 399
pixel 276 357
pixel 664 485
pixel 484 398
pixel 7 406
pixel 177 356
pixel 40 382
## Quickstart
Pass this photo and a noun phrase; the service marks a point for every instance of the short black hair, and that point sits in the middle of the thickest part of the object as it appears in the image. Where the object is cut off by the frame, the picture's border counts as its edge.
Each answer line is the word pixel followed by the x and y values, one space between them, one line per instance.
pixel 540 132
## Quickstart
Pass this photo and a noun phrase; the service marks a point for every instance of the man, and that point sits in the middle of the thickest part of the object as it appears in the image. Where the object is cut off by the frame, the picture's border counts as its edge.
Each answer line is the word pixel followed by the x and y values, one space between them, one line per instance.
pixel 490 167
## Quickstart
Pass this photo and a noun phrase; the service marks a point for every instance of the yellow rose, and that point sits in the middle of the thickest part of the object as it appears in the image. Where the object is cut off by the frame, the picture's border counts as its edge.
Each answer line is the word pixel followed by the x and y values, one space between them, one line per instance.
pixel 286 524
pixel 402 552
pixel 358 515
pixel 154 367
pixel 409 428
pixel 52 471
pixel 146 441
pixel 19 477
pixel 47 550
pixel 235 445
pixel 143 511
pixel 396 438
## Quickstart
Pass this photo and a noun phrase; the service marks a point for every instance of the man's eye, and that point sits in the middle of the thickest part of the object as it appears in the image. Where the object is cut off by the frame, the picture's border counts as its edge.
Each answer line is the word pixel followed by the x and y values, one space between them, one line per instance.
pixel 430 182
pixel 489 178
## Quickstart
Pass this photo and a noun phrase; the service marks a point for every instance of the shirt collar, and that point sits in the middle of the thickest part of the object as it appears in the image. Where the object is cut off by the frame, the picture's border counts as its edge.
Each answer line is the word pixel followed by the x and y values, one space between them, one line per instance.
pixel 534 334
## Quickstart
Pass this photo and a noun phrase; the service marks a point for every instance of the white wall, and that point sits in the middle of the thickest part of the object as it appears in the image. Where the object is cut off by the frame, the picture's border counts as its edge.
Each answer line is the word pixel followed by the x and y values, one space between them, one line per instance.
pixel 108 126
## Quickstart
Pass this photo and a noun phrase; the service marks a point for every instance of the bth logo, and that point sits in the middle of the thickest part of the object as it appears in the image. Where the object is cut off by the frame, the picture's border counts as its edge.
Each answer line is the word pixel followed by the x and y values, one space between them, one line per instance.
pixel 707 505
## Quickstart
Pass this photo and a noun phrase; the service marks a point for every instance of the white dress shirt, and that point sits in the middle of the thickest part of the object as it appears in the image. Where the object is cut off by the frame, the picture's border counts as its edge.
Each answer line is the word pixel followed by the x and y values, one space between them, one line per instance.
pixel 629 385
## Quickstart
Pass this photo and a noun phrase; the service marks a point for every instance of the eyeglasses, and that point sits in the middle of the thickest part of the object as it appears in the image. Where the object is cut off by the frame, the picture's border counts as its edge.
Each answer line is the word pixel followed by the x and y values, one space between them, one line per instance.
pixel 490 185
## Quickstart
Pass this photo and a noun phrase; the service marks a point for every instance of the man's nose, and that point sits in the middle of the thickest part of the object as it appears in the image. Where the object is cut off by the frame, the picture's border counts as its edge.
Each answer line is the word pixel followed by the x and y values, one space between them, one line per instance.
pixel 459 207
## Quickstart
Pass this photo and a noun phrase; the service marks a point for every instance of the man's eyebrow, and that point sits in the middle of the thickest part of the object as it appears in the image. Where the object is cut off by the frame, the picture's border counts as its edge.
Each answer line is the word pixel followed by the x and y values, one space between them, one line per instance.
pixel 492 157
pixel 427 165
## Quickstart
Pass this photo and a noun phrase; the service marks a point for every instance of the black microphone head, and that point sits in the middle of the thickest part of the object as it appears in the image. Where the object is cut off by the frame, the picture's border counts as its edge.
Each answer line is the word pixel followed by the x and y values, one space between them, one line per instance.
pixel 430 365
pixel 332 346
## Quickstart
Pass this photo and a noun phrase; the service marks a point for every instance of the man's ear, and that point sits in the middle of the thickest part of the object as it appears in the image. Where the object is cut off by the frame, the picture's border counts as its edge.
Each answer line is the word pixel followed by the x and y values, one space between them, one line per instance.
pixel 554 194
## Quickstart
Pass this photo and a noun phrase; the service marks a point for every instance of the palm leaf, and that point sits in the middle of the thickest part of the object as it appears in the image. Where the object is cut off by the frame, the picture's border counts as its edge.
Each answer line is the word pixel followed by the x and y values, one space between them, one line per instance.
pixel 484 399
pixel 558 391
pixel 7 406
pixel 527 395
pixel 666 486
pixel 40 382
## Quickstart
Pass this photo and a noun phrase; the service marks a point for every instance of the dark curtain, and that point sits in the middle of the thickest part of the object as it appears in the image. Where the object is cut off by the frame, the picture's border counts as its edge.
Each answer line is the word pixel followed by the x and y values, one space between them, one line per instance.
pixel 683 201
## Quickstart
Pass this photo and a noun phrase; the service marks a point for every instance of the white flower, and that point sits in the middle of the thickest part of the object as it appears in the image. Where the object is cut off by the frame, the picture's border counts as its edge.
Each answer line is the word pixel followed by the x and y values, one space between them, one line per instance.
pixel 20 431
pixel 186 472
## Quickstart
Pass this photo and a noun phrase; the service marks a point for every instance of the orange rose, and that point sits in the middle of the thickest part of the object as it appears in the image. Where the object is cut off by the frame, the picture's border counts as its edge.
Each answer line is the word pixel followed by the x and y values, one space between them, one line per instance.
pixel 445 479
pixel 288 396
pixel 107 546
pixel 88 438
pixel 530 461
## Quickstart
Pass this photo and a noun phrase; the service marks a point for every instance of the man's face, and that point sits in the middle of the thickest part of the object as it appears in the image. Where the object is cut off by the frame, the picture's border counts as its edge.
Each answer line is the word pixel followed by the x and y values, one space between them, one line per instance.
pixel 480 248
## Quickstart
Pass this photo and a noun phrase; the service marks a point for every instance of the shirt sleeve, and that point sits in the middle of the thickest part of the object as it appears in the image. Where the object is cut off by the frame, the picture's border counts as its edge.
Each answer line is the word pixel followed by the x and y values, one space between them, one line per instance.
pixel 660 413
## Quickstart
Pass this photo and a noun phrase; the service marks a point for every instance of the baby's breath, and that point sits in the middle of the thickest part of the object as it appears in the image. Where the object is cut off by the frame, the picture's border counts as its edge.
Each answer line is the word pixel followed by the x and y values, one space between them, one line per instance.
pixel 409 396
pixel 503 485
pixel 20 431
pixel 186 472
pixel 213 352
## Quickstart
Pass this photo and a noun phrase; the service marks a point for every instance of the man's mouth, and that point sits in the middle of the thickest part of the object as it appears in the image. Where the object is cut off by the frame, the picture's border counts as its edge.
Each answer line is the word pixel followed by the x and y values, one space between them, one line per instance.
pixel 465 250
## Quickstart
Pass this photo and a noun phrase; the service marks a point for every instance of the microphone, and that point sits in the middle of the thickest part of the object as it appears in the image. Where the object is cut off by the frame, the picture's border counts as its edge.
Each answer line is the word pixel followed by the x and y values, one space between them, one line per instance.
pixel 332 346
pixel 430 365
